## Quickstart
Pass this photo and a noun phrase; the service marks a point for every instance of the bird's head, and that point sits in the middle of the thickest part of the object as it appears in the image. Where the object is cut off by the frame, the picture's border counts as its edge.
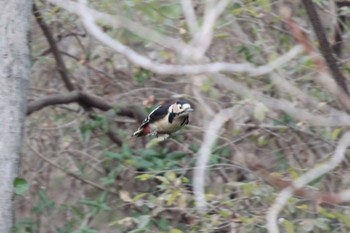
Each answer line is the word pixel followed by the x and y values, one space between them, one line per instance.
pixel 181 108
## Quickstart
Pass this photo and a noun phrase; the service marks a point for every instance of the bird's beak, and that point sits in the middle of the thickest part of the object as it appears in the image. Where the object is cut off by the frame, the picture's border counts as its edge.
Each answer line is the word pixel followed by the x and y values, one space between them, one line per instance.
pixel 190 110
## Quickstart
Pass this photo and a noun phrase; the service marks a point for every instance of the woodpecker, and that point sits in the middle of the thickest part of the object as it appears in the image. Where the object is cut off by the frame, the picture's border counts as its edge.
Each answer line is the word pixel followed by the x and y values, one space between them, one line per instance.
pixel 165 119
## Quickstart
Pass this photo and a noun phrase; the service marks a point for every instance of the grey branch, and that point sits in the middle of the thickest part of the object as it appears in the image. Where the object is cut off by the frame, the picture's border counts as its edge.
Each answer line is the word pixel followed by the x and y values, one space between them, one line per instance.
pixel 204 154
pixel 88 19
pixel 303 180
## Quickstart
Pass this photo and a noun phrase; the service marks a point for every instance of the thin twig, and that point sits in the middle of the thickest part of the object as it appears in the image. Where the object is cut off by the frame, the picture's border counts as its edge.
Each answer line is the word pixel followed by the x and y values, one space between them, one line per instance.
pixel 335 118
pixel 61 67
pixel 53 47
pixel 203 38
pixel 303 180
pixel 339 30
pixel 76 176
pixel 120 22
pixel 90 24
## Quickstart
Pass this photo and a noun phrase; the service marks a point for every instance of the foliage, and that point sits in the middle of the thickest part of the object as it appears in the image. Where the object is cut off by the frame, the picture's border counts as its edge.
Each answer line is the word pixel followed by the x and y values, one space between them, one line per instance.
pixel 21 185
pixel 88 183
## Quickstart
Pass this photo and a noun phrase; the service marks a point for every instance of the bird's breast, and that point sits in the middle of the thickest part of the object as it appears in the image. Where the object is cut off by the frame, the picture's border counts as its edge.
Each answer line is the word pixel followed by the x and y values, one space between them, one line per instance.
pixel 164 127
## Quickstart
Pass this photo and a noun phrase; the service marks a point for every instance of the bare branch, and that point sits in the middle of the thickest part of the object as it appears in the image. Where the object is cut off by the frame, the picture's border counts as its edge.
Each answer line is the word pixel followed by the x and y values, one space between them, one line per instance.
pixel 339 29
pixel 71 174
pixel 75 96
pixel 147 63
pixel 204 155
pixel 190 15
pixel 61 67
pixel 325 47
pixel 203 38
pixel 285 86
pixel 120 22
pixel 318 197
pixel 335 118
pixel 303 180
pixel 86 98
pixel 89 21
pixel 324 78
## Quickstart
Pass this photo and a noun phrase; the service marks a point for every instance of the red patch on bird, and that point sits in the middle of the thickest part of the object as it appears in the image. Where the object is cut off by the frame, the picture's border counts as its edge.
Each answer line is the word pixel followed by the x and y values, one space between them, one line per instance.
pixel 147 130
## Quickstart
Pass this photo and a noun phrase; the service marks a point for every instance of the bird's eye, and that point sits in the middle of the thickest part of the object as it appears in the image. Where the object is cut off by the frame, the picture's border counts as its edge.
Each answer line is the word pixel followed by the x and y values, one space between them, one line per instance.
pixel 180 107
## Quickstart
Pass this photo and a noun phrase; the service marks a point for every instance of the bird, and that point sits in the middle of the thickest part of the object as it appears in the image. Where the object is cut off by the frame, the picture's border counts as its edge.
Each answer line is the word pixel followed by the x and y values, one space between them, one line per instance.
pixel 165 119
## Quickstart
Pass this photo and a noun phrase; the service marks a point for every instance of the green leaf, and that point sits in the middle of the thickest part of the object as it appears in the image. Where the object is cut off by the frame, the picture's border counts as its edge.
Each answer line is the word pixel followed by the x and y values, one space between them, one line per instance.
pixel 141 163
pixel 44 202
pixel 126 150
pixel 185 179
pixel 25 225
pixel 302 207
pixel 142 223
pixel 99 204
pixel 142 75
pixel 114 155
pixel 172 197
pixel 343 218
pixel 124 222
pixel 345 10
pixel 262 141
pixel 144 177
pixel 265 4
pixel 171 11
pixel 163 224
pixel 148 153
pixel 170 175
pixel 293 173
pixel 176 155
pixel 139 197
pixel 307 225
pixel 249 188
pixel 322 223
pixel 162 179
pixel 327 213
pixel 335 133
pixel 174 230
pixel 110 179
pixel 260 111
pixel 225 213
pixel 288 226
pixel 21 186
pixel 236 9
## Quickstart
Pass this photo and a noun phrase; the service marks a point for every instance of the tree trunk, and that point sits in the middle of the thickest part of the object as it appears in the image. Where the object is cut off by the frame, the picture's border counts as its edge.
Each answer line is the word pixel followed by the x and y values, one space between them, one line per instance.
pixel 14 77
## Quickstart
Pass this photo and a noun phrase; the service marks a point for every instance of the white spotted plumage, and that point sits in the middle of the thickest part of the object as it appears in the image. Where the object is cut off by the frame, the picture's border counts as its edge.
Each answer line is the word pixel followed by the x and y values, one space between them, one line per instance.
pixel 165 119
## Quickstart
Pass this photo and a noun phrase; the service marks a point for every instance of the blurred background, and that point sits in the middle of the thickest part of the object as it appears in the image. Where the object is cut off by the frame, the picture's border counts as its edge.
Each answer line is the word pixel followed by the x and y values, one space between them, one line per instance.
pixel 86 173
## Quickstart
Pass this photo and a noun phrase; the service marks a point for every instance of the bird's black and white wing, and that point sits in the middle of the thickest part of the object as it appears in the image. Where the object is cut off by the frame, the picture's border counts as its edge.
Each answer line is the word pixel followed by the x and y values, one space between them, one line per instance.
pixel 157 114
